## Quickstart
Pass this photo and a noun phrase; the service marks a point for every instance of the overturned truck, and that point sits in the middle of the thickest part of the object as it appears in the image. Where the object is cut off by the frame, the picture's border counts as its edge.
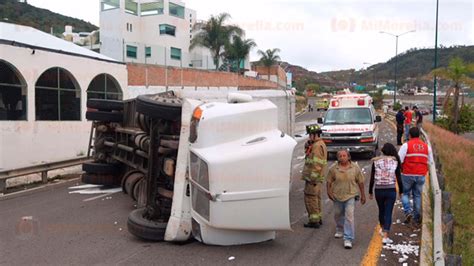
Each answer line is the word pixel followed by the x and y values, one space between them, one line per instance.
pixel 215 171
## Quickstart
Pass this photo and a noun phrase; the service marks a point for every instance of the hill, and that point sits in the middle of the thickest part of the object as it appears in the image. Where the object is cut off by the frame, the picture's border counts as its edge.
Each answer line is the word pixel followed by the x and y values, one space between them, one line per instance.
pixel 414 64
pixel 42 19
pixel 303 77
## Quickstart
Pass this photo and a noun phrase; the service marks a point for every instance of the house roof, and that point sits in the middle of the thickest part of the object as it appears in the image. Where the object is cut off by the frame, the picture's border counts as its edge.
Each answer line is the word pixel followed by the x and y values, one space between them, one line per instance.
pixel 25 36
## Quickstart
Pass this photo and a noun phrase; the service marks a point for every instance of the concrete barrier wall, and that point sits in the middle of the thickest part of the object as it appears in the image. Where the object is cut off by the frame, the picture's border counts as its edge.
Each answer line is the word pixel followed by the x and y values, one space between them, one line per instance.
pixel 154 75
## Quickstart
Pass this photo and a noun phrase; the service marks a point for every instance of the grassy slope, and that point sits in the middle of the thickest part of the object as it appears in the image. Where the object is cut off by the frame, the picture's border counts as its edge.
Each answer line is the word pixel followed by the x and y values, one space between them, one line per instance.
pixel 457 158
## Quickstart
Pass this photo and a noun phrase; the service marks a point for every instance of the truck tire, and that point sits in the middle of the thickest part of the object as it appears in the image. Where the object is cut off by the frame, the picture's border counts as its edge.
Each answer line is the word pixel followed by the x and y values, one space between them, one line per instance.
pixel 102 168
pixel 143 228
pixel 130 182
pixel 106 105
pixel 100 179
pixel 161 106
pixel 125 177
pixel 104 116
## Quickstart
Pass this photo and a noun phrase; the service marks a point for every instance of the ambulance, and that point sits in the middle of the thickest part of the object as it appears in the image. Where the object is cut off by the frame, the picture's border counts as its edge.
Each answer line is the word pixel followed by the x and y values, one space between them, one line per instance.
pixel 351 123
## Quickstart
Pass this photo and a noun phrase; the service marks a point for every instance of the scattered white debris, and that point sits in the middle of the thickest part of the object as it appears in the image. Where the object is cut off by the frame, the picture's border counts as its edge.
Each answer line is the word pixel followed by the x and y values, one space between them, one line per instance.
pixel 96 190
pixel 120 229
pixel 403 249
pixel 413 235
pixel 115 223
pixel 398 221
pixel 406 264
pixel 231 258
pixel 382 255
pixel 84 186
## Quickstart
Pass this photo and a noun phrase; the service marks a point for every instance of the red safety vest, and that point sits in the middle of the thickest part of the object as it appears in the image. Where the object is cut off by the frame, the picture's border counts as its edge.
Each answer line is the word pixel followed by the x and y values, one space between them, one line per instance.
pixel 416 160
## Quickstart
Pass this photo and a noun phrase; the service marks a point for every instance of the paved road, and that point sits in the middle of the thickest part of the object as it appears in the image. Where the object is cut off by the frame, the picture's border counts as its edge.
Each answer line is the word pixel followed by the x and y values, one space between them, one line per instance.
pixel 84 229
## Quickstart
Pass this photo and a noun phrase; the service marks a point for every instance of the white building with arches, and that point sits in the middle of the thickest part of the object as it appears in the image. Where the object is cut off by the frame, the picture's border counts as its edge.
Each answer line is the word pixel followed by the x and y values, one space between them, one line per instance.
pixel 44 86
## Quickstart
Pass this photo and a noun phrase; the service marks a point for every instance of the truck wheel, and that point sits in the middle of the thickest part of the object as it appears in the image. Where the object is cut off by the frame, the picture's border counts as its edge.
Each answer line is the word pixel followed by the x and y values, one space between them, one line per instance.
pixel 132 182
pixel 104 116
pixel 128 177
pixel 143 228
pixel 102 168
pixel 100 179
pixel 106 105
pixel 162 106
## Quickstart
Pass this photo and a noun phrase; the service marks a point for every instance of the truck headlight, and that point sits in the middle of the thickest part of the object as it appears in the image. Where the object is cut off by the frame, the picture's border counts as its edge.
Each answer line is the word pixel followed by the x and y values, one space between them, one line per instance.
pixel 367 134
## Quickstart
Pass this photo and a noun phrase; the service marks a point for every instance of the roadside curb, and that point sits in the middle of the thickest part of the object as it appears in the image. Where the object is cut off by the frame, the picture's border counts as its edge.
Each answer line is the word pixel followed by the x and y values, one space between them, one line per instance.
pixel 300 114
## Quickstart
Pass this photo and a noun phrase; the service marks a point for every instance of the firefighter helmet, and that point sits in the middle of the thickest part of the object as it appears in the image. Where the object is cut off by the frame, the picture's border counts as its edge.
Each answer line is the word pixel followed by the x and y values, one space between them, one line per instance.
pixel 313 129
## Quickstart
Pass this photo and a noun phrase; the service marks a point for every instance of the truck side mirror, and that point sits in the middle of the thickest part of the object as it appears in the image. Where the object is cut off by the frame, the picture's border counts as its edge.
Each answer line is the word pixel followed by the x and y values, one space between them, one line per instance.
pixel 320 120
pixel 378 118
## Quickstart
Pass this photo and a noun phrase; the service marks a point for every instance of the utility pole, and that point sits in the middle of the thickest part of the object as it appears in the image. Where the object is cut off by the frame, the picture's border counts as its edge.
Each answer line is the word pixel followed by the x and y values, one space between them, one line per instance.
pixel 435 81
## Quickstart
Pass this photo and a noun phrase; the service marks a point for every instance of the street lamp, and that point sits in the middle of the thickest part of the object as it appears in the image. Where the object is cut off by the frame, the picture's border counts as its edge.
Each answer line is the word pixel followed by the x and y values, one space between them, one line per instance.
pixel 367 63
pixel 435 64
pixel 396 60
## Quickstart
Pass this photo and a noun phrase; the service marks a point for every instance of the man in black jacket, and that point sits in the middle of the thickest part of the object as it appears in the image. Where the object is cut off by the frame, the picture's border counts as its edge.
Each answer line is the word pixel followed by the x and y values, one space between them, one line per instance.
pixel 400 118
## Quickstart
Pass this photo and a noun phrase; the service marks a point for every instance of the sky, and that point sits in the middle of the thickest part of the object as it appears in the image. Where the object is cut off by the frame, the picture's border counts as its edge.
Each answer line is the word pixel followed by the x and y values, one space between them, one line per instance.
pixel 325 35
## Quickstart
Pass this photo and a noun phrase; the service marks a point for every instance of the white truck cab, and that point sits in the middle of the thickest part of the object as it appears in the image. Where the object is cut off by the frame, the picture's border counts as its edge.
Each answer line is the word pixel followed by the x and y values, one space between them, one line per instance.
pixel 218 172
pixel 351 123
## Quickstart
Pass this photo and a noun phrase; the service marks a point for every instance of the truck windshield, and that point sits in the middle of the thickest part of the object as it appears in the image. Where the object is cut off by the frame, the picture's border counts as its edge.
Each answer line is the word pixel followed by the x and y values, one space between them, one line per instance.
pixel 348 116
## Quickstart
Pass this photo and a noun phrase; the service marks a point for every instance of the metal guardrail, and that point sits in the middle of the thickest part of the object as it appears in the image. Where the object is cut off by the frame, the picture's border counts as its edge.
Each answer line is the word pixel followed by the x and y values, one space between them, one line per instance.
pixel 438 252
pixel 40 168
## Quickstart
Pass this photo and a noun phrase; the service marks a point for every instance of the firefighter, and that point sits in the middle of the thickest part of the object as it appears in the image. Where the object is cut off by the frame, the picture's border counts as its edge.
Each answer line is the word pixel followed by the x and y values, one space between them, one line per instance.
pixel 313 175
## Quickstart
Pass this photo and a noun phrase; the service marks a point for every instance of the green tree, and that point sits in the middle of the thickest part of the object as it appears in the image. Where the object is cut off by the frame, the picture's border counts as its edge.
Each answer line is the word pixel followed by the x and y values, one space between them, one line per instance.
pixel 457 72
pixel 214 34
pixel 269 58
pixel 377 98
pixel 316 88
pixel 238 50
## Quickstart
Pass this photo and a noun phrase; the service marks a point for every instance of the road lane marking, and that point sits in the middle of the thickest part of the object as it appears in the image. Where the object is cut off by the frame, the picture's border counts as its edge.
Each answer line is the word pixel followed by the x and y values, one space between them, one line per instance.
pixel 374 250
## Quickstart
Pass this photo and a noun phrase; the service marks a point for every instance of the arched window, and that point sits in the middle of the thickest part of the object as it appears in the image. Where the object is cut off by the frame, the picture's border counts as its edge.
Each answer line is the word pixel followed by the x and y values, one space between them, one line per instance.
pixel 12 93
pixel 104 86
pixel 58 96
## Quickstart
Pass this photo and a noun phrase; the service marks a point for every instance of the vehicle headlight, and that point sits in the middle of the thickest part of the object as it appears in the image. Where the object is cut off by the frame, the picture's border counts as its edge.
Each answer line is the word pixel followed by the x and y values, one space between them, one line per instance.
pixel 326 135
pixel 367 134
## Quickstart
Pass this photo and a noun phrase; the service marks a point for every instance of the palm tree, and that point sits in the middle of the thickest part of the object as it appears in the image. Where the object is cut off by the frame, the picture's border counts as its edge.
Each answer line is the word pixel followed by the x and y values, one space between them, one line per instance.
pixel 238 50
pixel 214 34
pixel 457 71
pixel 269 58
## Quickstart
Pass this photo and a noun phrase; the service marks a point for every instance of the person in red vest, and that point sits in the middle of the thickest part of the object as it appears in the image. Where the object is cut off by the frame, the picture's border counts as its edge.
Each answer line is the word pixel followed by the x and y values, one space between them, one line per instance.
pixel 408 119
pixel 415 158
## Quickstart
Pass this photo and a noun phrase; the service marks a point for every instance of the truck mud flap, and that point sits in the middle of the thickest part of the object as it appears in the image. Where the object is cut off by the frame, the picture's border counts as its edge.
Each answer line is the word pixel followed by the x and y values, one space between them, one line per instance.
pixel 101 179
pixel 106 105
pixel 104 116
pixel 102 168
pixel 143 228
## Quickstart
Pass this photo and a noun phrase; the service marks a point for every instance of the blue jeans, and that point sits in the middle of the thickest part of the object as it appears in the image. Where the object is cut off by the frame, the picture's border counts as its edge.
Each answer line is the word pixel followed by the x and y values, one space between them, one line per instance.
pixel 344 216
pixel 412 184
pixel 407 128
pixel 385 200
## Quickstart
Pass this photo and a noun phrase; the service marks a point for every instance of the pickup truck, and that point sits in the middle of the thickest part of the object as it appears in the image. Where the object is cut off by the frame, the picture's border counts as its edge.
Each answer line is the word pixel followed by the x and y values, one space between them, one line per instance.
pixel 218 172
